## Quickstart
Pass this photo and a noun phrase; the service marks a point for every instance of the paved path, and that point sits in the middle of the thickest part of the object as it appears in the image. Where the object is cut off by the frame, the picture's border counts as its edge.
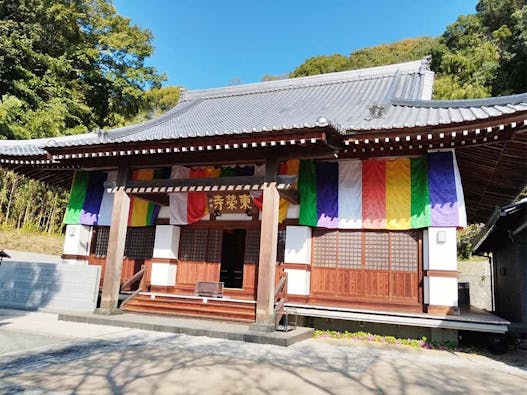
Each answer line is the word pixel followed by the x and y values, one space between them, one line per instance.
pixel 64 357
pixel 24 256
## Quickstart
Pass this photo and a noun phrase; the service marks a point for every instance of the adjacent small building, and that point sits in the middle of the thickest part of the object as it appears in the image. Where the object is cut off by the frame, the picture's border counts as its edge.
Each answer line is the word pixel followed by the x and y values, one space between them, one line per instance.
pixel 505 238
pixel 338 195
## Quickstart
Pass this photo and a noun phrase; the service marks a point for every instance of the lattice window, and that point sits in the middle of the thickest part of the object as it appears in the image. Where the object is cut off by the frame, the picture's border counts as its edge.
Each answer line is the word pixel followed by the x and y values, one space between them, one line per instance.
pixel 140 242
pixel 324 248
pixel 377 254
pixel 215 239
pixel 404 251
pixel 101 242
pixel 349 249
pixel 280 247
pixel 193 244
pixel 252 246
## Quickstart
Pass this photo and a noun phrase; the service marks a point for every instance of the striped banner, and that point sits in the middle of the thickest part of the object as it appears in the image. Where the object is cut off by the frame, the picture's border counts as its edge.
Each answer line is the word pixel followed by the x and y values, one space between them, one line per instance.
pixel 85 198
pixel 398 194
pixel 90 204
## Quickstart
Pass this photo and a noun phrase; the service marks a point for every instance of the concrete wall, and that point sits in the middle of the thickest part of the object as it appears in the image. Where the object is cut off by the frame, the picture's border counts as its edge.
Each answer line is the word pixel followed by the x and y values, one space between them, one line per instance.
pixel 49 286
pixel 478 275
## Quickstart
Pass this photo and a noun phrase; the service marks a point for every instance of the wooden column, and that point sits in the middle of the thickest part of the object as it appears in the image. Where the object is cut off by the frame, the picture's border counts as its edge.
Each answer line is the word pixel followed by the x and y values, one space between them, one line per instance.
pixel 116 242
pixel 267 258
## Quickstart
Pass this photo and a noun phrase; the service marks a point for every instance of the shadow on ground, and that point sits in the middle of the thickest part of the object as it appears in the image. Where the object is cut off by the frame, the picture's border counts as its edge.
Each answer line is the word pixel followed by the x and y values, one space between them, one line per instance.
pixel 160 363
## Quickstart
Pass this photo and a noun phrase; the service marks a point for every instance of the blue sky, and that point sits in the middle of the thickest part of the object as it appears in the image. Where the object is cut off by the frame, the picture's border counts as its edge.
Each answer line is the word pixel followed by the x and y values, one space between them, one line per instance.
pixel 206 43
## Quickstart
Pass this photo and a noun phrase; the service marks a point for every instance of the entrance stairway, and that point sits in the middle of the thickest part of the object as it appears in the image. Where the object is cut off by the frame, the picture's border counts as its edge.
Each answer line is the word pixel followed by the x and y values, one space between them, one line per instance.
pixel 195 306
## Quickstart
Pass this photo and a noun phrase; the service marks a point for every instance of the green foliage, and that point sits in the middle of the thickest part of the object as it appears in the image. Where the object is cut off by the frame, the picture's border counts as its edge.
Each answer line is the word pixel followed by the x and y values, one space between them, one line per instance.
pixel 380 55
pixel 398 52
pixel 321 65
pixel 479 55
pixel 465 240
pixel 156 102
pixel 483 54
pixel 69 66
pixel 366 336
pixel 29 205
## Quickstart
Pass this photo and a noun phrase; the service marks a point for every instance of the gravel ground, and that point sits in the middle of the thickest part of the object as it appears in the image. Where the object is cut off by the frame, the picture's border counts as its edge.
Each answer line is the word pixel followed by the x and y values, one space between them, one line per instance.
pixel 106 360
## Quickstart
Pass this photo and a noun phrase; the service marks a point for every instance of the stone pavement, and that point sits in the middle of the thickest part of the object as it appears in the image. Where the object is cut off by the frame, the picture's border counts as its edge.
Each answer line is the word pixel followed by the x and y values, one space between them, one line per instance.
pixel 92 359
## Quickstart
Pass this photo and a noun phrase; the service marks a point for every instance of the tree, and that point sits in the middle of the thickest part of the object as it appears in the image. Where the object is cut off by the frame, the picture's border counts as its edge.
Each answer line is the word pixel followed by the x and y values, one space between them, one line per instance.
pixel 401 51
pixel 398 52
pixel 321 65
pixel 157 101
pixel 69 66
pixel 485 53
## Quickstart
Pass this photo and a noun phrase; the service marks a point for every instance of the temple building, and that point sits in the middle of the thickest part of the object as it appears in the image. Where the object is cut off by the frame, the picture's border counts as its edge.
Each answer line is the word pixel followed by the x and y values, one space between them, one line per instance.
pixel 338 195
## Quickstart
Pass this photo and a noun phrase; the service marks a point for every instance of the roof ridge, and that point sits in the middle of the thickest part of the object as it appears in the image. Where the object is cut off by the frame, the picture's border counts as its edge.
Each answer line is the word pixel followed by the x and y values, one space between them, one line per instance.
pixel 416 66
pixel 462 103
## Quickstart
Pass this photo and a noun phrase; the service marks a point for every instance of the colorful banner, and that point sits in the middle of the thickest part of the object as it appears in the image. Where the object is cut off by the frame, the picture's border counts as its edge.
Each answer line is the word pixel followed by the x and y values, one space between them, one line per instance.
pixel 398 194
pixel 90 204
pixel 142 212
pixel 190 207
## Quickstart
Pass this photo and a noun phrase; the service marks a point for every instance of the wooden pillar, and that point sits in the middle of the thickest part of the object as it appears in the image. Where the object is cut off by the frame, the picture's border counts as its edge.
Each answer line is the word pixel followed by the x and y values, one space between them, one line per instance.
pixel 267 258
pixel 116 242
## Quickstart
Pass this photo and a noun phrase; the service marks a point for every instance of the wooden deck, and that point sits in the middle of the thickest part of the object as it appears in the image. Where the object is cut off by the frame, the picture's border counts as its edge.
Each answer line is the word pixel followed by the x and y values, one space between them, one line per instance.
pixel 470 319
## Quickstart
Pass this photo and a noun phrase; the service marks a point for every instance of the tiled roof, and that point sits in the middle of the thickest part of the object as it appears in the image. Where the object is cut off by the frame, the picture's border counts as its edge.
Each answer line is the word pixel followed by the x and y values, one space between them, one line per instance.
pixel 377 98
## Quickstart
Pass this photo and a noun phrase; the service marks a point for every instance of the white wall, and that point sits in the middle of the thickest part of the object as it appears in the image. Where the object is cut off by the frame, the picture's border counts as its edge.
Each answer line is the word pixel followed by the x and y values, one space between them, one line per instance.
pixel 166 246
pixel 442 249
pixel 77 240
pixel 298 281
pixel 163 274
pixel 443 291
pixel 440 254
pixel 166 243
pixel 298 245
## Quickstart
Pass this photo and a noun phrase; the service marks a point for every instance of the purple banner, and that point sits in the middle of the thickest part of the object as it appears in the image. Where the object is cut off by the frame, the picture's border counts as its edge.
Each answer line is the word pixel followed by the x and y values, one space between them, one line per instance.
pixel 327 194
pixel 442 188
pixel 93 199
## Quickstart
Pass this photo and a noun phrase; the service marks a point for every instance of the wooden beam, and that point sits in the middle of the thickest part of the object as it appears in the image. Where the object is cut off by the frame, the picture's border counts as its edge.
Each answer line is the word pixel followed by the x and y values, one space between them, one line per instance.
pixel 271 168
pixel 267 259
pixel 157 198
pixel 291 195
pixel 116 243
pixel 203 182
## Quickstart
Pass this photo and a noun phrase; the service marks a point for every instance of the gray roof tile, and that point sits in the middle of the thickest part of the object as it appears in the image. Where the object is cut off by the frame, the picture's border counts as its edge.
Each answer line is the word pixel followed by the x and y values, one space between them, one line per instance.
pixel 344 98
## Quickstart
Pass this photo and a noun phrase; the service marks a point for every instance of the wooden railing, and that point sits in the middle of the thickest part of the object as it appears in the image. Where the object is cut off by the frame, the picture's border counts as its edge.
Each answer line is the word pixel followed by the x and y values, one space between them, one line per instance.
pixel 140 275
pixel 280 297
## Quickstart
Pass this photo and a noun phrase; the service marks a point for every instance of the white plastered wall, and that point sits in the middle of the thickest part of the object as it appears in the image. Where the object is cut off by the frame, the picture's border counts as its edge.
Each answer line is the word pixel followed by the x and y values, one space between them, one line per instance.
pixel 440 254
pixel 166 246
pixel 298 251
pixel 298 281
pixel 77 242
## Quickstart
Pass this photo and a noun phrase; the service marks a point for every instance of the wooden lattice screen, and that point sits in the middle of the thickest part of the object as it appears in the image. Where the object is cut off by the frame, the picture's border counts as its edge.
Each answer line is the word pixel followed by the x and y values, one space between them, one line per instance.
pixel 193 244
pixel 214 241
pixel 404 251
pixel 139 242
pixel 349 249
pixel 252 246
pixel 377 250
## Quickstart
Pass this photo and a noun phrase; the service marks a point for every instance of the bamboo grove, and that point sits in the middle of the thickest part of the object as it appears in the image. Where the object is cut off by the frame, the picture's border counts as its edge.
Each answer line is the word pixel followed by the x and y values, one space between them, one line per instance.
pixel 30 205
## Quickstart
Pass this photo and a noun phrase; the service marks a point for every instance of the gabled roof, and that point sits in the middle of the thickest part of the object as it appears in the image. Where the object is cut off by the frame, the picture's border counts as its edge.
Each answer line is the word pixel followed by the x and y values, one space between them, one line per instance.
pixel 351 102
pixel 343 98
pixel 503 227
